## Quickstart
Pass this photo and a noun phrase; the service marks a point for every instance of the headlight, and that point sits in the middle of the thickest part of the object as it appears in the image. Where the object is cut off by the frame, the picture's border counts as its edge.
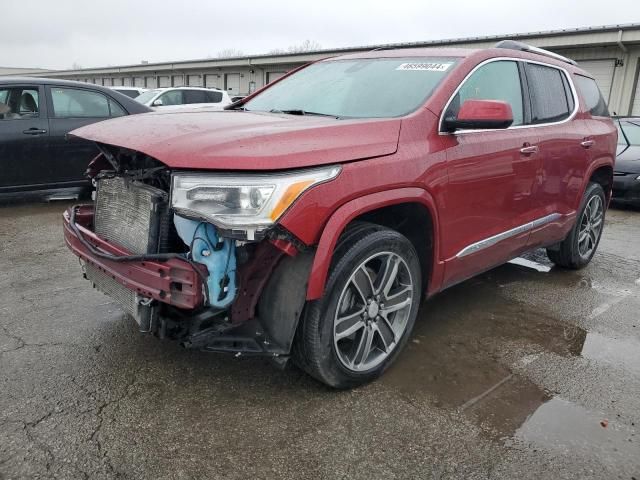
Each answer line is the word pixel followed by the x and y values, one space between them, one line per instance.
pixel 638 177
pixel 250 202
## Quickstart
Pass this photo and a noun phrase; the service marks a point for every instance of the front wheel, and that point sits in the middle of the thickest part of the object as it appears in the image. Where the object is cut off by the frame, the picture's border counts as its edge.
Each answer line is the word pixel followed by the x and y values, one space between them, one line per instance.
pixel 351 335
pixel 577 250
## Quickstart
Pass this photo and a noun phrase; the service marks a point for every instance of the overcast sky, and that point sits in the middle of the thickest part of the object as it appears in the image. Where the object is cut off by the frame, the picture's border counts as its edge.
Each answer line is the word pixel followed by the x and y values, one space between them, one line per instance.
pixel 61 33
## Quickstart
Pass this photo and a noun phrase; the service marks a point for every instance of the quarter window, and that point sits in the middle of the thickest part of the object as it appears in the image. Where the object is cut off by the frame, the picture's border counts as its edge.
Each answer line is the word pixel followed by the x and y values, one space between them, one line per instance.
pixel 592 96
pixel 551 99
pixel 73 103
pixel 498 80
pixel 116 110
pixel 214 97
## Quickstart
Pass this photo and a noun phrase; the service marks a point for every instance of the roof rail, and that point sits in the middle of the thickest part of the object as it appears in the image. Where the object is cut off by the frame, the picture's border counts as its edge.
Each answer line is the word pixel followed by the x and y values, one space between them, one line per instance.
pixel 513 45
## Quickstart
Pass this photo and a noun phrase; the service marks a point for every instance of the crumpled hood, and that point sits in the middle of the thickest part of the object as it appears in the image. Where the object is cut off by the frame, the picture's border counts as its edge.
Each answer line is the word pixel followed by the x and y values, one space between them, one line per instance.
pixel 628 159
pixel 237 140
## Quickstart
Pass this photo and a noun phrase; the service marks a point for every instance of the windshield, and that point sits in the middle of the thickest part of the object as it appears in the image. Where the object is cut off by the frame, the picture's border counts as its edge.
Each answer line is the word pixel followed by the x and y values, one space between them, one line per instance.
pixel 362 88
pixel 631 132
pixel 146 96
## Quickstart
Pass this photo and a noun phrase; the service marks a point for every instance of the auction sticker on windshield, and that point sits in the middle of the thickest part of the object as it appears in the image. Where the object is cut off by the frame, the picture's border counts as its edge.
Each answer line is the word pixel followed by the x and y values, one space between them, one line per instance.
pixel 429 67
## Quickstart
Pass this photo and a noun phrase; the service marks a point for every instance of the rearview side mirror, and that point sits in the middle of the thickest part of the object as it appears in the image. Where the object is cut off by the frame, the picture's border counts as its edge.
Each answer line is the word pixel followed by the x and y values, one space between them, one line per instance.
pixel 157 103
pixel 479 115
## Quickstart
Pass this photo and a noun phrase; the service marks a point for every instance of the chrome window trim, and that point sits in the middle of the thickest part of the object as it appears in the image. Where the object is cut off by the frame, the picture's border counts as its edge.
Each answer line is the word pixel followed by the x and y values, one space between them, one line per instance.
pixel 574 92
pixel 488 242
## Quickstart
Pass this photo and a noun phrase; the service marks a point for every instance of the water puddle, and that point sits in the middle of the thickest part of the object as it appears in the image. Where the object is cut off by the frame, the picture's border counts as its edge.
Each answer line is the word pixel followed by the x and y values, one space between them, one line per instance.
pixel 458 356
pixel 559 424
pixel 622 353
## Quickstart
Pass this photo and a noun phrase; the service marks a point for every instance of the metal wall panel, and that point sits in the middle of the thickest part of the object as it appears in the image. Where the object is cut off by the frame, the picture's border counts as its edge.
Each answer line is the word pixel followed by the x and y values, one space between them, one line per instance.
pixel 194 80
pixel 602 71
pixel 212 80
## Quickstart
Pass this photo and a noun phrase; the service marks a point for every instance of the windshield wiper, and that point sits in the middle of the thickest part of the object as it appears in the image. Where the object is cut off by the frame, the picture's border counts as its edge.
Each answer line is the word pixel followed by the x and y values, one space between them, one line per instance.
pixel 297 111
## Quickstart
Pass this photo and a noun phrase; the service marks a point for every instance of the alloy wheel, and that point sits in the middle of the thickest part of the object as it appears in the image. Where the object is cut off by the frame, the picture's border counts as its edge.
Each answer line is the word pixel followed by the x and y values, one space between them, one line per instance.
pixel 373 311
pixel 590 226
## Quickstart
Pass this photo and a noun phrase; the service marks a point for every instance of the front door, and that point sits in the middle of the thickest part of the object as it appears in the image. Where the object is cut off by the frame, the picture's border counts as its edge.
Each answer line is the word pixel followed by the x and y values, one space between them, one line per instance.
pixel 24 137
pixel 488 200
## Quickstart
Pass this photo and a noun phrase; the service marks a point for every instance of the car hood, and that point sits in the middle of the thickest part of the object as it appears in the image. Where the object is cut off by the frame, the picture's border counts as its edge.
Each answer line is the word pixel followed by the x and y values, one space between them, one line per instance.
pixel 207 139
pixel 628 159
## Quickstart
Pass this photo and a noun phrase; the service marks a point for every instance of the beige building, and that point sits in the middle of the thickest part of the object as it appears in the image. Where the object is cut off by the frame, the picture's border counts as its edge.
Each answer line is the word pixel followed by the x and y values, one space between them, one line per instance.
pixel 610 53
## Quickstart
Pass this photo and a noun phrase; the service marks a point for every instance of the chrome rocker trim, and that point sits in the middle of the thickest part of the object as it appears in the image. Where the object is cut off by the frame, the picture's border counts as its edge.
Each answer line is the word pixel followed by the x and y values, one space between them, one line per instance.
pixel 488 242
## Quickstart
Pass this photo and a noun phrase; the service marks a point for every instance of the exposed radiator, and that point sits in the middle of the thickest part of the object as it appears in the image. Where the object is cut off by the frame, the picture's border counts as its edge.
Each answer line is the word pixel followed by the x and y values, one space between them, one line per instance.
pixel 134 216
pixel 130 214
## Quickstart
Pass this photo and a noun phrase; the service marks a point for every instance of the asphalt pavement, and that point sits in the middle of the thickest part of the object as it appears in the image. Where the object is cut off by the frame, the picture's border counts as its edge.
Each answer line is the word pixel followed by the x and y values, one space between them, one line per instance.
pixel 523 372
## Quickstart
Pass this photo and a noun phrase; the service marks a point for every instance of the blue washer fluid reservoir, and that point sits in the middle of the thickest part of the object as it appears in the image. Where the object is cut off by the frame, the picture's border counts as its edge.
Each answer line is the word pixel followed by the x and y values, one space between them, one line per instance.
pixel 218 254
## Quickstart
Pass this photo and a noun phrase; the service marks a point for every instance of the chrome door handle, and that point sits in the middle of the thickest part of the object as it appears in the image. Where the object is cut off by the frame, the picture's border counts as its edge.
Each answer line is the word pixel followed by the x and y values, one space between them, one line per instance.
pixel 34 131
pixel 587 143
pixel 529 150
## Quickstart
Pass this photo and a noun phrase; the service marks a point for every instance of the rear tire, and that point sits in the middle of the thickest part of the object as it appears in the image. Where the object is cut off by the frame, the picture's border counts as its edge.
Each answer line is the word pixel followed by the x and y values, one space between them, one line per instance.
pixel 577 250
pixel 357 329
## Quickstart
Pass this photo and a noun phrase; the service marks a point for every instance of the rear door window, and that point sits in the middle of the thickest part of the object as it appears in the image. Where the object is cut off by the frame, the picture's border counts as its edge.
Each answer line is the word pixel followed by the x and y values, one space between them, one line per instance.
pixel 195 96
pixel 76 103
pixel 551 100
pixel 494 81
pixel 592 96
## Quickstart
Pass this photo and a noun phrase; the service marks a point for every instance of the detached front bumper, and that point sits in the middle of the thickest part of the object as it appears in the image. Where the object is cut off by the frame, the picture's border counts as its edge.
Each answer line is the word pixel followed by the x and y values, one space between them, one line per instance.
pixel 174 282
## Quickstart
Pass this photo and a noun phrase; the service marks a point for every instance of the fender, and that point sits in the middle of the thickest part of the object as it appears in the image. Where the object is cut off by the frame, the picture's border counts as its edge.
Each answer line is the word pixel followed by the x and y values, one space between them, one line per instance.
pixel 350 210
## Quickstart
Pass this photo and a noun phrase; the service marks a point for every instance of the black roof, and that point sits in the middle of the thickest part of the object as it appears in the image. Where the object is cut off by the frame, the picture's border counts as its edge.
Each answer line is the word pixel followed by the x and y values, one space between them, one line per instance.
pixel 128 103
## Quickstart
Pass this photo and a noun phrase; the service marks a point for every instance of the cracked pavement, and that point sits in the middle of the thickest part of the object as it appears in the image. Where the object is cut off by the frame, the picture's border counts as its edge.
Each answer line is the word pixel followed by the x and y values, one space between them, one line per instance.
pixel 518 373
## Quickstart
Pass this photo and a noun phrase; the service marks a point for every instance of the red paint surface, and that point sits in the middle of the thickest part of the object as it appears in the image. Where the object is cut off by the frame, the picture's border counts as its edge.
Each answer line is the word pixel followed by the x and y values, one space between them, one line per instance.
pixel 474 185
pixel 236 140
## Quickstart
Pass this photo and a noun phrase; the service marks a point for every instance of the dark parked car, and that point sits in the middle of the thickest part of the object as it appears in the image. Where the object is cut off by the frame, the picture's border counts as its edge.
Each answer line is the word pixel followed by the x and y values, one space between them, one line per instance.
pixel 35 116
pixel 310 221
pixel 626 177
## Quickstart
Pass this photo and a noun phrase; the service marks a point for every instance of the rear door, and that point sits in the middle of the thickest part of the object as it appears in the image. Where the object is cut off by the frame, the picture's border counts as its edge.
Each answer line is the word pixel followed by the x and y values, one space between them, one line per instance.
pixel 488 199
pixel 71 108
pixel 24 137
pixel 562 149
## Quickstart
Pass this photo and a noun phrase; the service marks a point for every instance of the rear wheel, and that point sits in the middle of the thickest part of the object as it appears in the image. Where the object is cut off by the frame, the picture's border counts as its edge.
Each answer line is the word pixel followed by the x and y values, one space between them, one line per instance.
pixel 351 335
pixel 577 250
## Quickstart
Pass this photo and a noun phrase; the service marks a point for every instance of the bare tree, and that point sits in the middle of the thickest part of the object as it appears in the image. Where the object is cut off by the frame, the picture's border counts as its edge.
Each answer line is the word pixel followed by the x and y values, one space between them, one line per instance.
pixel 306 46
pixel 230 52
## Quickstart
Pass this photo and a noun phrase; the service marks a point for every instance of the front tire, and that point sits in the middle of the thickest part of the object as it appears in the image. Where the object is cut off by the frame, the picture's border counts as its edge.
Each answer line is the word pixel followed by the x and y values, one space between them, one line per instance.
pixel 577 250
pixel 352 334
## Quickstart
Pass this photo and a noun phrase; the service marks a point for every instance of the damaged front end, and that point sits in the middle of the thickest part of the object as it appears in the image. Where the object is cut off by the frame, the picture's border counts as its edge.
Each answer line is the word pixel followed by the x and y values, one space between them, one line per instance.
pixel 195 257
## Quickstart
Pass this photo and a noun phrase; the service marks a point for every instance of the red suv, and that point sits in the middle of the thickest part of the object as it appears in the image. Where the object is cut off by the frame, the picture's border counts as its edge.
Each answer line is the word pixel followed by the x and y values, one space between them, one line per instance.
pixel 310 218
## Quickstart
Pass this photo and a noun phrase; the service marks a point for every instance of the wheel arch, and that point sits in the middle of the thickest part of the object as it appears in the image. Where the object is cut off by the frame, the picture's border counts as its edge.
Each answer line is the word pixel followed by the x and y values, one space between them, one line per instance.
pixel 603 175
pixel 383 208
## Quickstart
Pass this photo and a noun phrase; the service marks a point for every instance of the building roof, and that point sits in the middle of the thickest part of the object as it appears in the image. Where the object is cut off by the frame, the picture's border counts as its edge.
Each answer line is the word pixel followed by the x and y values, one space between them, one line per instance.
pixel 270 58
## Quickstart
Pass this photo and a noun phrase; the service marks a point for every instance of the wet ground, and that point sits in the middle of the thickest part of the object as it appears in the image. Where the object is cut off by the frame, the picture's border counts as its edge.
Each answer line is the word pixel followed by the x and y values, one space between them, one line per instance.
pixel 523 372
